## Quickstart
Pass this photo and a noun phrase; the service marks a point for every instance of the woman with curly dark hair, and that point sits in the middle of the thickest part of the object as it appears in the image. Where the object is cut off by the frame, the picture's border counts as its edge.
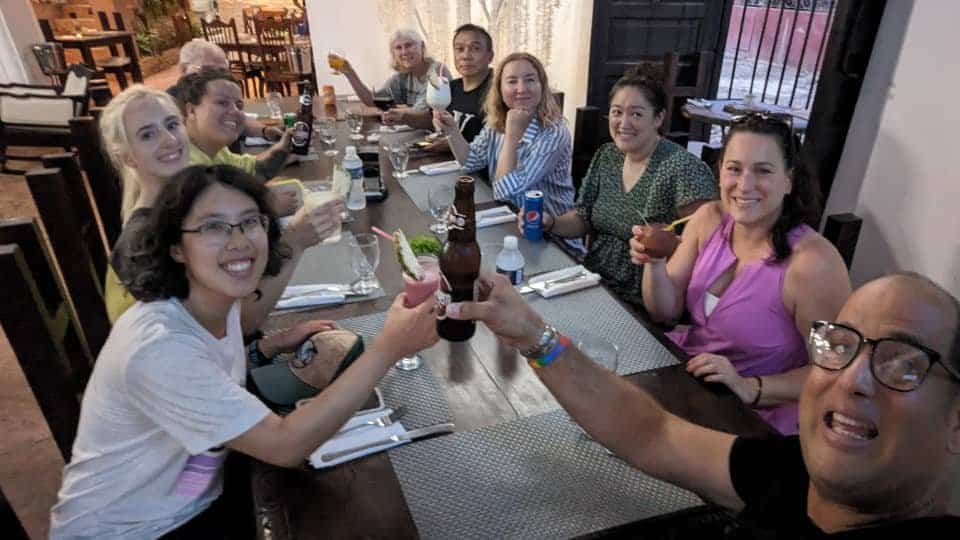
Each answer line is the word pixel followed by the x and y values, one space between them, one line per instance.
pixel 751 271
pixel 167 392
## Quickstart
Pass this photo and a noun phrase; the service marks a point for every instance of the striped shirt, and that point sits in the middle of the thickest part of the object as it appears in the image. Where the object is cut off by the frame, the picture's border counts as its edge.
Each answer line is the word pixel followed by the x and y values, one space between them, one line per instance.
pixel 543 163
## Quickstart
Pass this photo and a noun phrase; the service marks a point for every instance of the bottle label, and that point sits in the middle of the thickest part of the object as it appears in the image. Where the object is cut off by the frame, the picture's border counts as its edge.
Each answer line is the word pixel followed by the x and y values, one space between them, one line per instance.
pixel 355 173
pixel 515 276
pixel 301 134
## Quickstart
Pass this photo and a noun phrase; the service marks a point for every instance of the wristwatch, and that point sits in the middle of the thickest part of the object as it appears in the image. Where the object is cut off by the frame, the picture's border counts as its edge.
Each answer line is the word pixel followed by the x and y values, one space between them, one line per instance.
pixel 547 337
pixel 254 355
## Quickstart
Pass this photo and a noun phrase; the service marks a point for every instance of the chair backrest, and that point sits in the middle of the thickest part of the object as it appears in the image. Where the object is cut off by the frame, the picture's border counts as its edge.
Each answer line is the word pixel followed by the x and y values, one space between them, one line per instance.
pixel 182 28
pixel 249 14
pixel 83 281
pixel 35 339
pixel 104 181
pixel 685 76
pixel 219 32
pixel 37 107
pixel 46 29
pixel 590 134
pixel 274 33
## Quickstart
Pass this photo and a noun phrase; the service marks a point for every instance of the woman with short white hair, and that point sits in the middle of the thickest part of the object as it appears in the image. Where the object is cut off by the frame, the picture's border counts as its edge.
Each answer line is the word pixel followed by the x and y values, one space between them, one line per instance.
pixel 408 58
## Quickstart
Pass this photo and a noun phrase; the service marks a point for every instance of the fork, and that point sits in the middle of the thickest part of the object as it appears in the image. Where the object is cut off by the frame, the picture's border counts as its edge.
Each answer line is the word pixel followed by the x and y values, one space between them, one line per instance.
pixel 560 281
pixel 382 421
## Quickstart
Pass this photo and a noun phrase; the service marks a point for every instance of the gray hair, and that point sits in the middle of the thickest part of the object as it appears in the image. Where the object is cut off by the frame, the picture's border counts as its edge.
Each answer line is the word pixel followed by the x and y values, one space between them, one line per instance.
pixel 412 35
pixel 197 51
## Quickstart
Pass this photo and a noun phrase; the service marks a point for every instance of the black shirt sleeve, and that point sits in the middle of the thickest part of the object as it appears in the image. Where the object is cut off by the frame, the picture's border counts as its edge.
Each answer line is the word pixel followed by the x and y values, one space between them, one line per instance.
pixel 770 477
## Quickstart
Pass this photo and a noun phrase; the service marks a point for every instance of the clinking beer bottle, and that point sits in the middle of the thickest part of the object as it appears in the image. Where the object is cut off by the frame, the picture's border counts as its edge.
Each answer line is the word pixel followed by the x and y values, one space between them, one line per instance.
pixel 460 261
pixel 303 127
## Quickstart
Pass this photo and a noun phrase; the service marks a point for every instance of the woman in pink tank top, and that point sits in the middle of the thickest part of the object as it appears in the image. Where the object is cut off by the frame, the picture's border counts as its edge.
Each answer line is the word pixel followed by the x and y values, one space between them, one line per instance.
pixel 751 273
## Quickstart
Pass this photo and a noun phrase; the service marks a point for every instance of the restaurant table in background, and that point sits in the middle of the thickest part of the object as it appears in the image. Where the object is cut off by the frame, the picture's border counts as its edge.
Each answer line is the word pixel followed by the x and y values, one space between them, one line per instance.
pixel 711 111
pixel 487 386
pixel 105 38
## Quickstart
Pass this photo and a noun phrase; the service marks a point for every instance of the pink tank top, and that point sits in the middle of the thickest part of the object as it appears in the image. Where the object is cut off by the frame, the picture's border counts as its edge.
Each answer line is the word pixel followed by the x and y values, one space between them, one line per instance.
pixel 749 325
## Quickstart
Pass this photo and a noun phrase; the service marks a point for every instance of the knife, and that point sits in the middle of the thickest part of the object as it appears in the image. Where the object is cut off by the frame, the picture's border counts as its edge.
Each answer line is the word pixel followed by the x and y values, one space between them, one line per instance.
pixel 293 291
pixel 408 436
pixel 570 274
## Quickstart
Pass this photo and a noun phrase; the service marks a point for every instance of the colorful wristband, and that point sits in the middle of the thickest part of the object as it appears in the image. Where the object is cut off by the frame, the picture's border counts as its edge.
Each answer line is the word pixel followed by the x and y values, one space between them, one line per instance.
pixel 561 345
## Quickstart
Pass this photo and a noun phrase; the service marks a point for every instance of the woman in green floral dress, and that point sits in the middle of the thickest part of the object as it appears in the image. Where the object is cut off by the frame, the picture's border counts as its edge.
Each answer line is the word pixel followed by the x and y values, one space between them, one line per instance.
pixel 640 176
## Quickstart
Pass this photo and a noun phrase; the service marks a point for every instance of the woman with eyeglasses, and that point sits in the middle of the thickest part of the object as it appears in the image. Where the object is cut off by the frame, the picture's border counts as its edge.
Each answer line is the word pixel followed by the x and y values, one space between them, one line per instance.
pixel 146 139
pixel 639 177
pixel 167 398
pixel 751 272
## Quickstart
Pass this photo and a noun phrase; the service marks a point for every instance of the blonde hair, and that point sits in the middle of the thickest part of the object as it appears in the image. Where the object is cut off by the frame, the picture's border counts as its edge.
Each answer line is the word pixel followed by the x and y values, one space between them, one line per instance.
pixel 548 112
pixel 116 142
pixel 412 35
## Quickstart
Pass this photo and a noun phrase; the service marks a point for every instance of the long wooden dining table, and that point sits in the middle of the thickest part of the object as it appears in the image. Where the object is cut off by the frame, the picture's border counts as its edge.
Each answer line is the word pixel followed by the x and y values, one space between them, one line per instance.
pixel 485 385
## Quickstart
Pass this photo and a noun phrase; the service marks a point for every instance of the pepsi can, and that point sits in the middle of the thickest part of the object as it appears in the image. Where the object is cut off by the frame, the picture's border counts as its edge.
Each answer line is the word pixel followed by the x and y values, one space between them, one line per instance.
pixel 533 215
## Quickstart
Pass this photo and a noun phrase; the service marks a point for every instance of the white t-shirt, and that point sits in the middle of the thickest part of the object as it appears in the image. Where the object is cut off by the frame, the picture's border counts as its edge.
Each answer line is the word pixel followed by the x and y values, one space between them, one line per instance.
pixel 163 396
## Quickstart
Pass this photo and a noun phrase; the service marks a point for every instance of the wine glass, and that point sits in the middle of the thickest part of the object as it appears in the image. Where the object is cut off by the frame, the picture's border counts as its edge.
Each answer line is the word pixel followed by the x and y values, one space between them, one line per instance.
pixel 337 60
pixel 439 199
pixel 274 100
pixel 364 260
pixel 417 293
pixel 438 97
pixel 355 123
pixel 399 157
pixel 383 98
pixel 328 134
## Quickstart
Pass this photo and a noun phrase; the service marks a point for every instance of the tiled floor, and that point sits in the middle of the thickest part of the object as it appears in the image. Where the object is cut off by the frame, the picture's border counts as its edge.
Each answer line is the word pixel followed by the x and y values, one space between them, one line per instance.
pixel 30 465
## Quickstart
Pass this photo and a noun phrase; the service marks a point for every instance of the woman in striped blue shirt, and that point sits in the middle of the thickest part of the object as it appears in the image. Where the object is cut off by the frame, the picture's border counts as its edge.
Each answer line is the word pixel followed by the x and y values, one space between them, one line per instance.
pixel 525 144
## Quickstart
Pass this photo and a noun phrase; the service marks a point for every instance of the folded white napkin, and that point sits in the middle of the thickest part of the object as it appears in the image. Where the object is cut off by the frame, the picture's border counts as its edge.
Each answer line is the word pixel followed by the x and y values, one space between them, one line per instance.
pixel 699 102
pixel 298 290
pixel 494 216
pixel 440 168
pixel 395 129
pixel 588 280
pixel 321 298
pixel 256 141
pixel 358 437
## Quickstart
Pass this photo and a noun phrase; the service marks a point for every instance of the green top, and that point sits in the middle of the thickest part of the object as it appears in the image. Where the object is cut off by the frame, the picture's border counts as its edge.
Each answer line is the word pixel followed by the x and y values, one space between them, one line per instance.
pixel 674 178
pixel 244 162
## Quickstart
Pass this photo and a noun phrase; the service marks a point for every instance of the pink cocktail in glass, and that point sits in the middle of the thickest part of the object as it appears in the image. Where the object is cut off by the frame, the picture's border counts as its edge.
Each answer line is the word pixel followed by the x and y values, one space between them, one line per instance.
pixel 418 291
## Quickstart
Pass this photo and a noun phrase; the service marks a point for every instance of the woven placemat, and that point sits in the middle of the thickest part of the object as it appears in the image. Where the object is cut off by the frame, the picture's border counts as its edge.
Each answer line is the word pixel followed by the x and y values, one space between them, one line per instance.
pixel 538 257
pixel 417 390
pixel 418 186
pixel 330 263
pixel 594 312
pixel 534 477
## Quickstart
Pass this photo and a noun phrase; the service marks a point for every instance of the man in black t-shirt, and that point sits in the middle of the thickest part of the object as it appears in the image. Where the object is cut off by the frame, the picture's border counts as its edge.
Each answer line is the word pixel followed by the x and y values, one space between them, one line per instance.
pixel 879 440
pixel 472 54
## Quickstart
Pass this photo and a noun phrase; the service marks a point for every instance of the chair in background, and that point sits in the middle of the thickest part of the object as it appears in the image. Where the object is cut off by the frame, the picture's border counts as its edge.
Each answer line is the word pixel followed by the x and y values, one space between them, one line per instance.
pixel 685 76
pixel 104 181
pixel 274 36
pixel 590 134
pixel 182 28
pixel 225 35
pixel 117 64
pixel 249 14
pixel 42 331
pixel 80 275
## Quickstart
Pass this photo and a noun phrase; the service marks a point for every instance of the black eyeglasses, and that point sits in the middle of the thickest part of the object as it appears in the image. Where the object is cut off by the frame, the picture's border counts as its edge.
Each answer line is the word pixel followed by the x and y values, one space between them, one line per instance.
pixel 898 364
pixel 220 231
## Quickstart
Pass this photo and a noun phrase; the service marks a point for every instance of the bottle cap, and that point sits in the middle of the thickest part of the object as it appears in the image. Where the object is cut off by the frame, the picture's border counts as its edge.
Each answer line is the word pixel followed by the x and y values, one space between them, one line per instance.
pixel 350 152
pixel 509 242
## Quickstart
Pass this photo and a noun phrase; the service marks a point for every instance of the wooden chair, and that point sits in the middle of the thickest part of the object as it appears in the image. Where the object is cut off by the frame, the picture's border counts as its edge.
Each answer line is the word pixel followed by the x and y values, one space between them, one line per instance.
pixel 44 340
pixel 225 35
pixel 249 14
pixel 273 36
pixel 80 273
pixel 9 522
pixel 104 181
pixel 117 65
pixel 182 28
pixel 46 29
pixel 590 134
pixel 685 76
pixel 38 116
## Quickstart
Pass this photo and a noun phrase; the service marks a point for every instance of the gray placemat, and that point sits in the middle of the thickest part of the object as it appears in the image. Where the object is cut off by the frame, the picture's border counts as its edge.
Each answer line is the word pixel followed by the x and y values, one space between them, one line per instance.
pixel 418 186
pixel 534 477
pixel 538 257
pixel 595 312
pixel 417 390
pixel 330 263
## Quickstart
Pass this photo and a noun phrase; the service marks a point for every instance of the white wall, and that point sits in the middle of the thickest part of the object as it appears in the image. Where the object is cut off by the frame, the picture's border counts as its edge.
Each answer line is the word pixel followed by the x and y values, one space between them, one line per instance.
pixel 18 31
pixel 898 171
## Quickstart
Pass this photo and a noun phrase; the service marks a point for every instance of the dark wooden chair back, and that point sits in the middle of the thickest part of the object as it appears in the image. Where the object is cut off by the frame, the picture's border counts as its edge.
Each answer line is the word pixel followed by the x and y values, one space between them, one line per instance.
pixel 249 15
pixel 35 116
pixel 685 76
pixel 182 28
pixel 9 522
pixel 590 134
pixel 83 280
pixel 104 181
pixel 37 340
pixel 221 33
pixel 46 29
pixel 273 36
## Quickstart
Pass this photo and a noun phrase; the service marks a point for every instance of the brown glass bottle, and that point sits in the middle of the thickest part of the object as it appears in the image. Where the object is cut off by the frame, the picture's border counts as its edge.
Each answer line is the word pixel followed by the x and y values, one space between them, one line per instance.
pixel 303 127
pixel 460 261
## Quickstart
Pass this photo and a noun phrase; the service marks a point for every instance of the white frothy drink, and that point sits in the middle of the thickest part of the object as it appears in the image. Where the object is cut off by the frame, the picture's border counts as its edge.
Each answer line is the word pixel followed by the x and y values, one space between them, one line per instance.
pixel 315 199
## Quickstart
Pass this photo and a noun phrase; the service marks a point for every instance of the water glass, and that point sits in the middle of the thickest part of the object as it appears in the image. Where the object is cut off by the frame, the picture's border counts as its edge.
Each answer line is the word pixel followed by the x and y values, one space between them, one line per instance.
pixel 328 134
pixel 439 199
pixel 355 123
pixel 273 105
pixel 399 157
pixel 602 352
pixel 364 260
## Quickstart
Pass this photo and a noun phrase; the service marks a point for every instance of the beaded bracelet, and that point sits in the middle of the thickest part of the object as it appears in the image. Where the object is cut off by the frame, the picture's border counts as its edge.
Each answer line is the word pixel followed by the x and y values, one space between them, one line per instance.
pixel 561 345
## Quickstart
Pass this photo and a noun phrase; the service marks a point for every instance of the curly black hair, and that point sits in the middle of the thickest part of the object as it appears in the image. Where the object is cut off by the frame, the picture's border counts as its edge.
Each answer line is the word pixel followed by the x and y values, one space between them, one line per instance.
pixel 154 274
pixel 646 77
pixel 191 88
pixel 802 204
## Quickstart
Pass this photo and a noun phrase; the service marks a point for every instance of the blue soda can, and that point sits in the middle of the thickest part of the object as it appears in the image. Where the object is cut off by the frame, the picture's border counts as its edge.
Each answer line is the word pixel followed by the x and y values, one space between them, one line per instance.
pixel 533 215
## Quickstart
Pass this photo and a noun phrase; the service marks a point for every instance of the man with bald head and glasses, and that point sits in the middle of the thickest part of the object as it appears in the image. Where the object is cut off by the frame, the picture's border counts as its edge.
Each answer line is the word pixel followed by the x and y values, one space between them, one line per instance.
pixel 879 440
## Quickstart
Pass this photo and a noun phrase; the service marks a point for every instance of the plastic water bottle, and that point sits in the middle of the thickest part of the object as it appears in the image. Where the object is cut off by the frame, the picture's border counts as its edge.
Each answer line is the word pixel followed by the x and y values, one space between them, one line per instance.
pixel 510 261
pixel 357 200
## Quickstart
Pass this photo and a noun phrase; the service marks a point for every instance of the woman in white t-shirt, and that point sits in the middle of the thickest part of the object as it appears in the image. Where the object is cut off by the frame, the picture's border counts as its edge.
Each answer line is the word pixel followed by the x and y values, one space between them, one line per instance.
pixel 167 392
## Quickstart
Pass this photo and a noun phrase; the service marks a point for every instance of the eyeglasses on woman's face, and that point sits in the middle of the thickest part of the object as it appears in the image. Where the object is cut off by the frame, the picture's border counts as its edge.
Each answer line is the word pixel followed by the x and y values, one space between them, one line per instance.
pixel 219 232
